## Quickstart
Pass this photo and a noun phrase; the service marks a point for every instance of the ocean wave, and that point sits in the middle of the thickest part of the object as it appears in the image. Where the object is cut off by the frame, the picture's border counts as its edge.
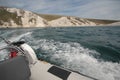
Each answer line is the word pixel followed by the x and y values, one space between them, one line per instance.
pixel 77 58
pixel 71 55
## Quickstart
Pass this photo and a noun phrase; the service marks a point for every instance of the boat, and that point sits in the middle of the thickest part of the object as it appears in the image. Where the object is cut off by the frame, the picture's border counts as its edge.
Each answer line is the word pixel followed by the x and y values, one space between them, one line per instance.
pixel 22 64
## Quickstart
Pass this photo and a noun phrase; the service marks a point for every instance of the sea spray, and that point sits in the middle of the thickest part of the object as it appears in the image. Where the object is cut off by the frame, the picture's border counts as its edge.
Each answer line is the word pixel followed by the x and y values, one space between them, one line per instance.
pixel 77 58
pixel 93 51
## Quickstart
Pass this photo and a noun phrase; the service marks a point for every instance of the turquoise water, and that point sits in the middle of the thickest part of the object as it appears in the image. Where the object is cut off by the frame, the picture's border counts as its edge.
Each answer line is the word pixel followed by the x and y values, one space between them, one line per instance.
pixel 94 51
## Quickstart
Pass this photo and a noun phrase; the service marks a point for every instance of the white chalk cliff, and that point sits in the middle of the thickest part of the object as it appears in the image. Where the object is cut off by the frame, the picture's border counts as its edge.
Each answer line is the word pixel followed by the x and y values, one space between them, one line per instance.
pixel 12 17
pixel 71 21
pixel 27 19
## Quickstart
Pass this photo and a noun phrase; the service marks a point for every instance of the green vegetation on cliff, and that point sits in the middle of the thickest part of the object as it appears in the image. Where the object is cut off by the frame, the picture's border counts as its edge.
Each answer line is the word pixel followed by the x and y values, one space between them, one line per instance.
pixel 6 16
pixel 49 17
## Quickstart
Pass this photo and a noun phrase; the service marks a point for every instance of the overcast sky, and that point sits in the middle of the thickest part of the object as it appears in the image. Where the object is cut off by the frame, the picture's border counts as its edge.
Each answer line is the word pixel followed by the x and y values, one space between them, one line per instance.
pixel 100 9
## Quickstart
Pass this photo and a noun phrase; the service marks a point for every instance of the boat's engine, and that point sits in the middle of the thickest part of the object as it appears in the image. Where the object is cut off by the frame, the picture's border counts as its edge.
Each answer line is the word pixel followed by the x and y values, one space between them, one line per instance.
pixel 29 53
pixel 24 49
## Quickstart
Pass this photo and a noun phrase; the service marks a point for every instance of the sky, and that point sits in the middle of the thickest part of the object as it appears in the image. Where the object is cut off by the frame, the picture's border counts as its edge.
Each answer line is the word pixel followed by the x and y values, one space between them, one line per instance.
pixel 98 9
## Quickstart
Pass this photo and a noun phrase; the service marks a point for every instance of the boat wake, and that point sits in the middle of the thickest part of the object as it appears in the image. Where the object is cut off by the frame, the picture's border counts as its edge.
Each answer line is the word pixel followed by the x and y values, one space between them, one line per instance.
pixel 77 58
pixel 72 55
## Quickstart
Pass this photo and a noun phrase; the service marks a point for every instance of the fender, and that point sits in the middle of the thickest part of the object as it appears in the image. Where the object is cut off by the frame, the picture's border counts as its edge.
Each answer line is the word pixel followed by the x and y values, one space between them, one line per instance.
pixel 29 53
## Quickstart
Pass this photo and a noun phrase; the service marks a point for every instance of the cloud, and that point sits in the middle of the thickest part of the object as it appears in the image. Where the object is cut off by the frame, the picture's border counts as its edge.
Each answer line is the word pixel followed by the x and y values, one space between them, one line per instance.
pixel 102 9
pixel 107 9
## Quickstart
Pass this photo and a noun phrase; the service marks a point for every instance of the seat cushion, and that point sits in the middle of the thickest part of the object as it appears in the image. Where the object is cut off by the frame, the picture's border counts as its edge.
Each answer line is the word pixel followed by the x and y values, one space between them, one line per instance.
pixel 14 69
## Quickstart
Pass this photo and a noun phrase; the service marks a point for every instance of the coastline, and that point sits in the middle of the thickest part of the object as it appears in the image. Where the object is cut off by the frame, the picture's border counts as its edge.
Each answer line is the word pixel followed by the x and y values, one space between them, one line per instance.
pixel 18 18
pixel 60 27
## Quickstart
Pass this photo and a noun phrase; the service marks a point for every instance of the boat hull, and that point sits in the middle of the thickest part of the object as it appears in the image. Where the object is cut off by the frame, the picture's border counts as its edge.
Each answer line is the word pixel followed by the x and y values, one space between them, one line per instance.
pixel 40 71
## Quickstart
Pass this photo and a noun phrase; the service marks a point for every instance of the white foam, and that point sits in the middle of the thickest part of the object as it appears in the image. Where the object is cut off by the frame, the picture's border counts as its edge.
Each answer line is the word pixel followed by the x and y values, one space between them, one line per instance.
pixel 76 57
pixel 3 53
pixel 17 38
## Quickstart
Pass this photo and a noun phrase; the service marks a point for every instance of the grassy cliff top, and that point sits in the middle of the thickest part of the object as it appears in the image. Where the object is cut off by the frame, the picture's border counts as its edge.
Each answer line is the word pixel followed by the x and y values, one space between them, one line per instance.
pixel 50 17
pixel 6 16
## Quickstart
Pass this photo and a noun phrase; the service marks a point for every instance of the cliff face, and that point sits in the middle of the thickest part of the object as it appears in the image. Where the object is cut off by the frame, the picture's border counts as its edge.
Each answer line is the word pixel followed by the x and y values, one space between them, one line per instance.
pixel 71 21
pixel 12 17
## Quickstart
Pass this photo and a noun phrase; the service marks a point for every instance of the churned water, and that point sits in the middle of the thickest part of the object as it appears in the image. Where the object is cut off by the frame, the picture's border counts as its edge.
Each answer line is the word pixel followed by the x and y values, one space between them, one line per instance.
pixel 93 51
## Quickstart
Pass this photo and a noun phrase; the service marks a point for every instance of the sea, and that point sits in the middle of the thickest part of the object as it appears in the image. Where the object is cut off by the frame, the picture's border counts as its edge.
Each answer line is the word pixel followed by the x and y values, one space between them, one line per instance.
pixel 92 51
